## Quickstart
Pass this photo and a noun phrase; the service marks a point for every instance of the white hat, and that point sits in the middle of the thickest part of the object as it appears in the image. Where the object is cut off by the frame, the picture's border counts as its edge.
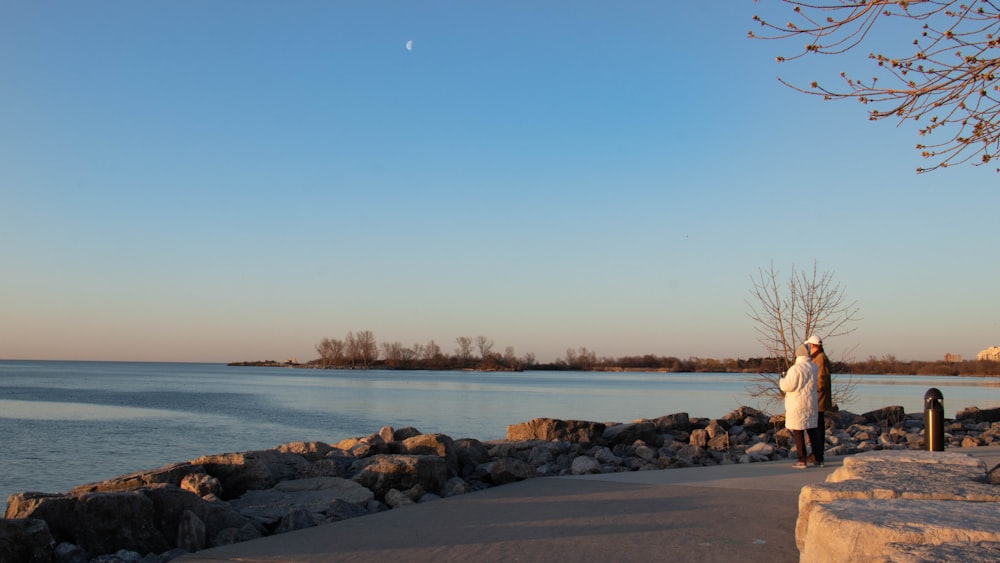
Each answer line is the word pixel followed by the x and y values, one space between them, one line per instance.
pixel 814 340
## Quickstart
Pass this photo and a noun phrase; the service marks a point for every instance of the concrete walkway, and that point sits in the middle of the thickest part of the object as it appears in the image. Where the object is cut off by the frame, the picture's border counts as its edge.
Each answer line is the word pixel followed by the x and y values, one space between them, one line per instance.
pixel 719 513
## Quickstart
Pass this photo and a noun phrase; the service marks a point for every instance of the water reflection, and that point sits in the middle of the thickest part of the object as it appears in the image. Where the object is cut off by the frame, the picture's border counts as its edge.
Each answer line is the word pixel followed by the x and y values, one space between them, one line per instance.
pixel 45 410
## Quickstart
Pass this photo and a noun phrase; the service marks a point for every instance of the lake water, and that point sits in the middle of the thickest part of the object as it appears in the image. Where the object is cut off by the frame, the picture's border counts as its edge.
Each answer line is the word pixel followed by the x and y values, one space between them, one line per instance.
pixel 63 424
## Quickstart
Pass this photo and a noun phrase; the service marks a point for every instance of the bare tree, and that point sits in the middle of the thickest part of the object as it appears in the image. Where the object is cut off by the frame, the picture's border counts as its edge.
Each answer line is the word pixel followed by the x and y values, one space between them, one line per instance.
pixel 324 351
pixel 785 313
pixel 464 350
pixel 528 359
pixel 571 357
pixel 510 358
pixel 367 348
pixel 392 352
pixel 351 349
pixel 431 351
pixel 417 351
pixel 946 78
pixel 586 358
pixel 331 352
pixel 485 346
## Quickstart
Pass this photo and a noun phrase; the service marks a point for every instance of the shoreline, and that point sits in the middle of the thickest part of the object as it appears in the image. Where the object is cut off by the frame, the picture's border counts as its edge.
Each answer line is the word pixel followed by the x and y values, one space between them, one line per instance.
pixel 234 495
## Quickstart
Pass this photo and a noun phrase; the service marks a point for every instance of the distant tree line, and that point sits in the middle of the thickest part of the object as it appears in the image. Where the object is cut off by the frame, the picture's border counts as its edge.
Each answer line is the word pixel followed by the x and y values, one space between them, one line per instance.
pixel 361 350
pixel 891 366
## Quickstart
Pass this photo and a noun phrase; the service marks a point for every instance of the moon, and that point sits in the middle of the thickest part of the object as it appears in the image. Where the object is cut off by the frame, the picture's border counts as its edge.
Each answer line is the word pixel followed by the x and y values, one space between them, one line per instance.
pixel 409 45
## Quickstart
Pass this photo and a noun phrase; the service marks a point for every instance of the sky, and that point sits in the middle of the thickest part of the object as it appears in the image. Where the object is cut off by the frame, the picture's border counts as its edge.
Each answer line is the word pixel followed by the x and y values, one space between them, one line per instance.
pixel 237 180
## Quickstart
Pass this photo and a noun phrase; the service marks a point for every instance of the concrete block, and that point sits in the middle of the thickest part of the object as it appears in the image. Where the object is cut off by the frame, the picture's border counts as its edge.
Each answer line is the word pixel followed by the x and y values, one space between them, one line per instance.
pixel 869 529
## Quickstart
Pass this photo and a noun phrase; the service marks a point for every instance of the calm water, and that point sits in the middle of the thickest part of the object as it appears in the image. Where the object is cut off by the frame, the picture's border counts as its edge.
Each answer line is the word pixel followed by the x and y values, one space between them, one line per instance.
pixel 67 423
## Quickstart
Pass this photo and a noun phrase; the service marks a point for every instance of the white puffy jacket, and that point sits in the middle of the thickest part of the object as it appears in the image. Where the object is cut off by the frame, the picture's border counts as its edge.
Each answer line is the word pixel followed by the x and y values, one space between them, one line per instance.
pixel 801 400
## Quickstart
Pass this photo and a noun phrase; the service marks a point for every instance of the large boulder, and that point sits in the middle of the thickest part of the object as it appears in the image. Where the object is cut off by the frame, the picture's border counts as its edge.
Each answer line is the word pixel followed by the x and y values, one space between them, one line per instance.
pixel 508 470
pixel 678 422
pixel 241 472
pixel 173 474
pixel 885 415
pixel 366 446
pixel 383 472
pixel 896 496
pixel 97 522
pixel 470 453
pixel 171 503
pixel 749 418
pixel 151 519
pixel 580 431
pixel 320 496
pixel 979 415
pixel 310 451
pixel 440 445
pixel 585 464
pixel 25 540
pixel 628 434
pixel 202 485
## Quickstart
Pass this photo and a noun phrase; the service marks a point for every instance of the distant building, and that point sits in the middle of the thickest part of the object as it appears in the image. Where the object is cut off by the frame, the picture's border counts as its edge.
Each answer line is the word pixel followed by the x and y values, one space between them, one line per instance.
pixel 953 358
pixel 992 354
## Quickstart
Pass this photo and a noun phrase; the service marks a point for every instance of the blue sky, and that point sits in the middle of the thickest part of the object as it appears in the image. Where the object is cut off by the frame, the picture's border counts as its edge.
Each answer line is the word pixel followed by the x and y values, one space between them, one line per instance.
pixel 236 180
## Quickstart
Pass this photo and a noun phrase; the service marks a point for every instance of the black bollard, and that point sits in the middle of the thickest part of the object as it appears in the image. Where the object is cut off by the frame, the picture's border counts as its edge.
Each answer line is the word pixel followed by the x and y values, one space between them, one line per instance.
pixel 934 420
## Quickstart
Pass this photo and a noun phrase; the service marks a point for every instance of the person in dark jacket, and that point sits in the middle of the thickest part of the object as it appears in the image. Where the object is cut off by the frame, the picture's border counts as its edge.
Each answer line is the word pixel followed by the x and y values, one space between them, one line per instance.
pixel 817 435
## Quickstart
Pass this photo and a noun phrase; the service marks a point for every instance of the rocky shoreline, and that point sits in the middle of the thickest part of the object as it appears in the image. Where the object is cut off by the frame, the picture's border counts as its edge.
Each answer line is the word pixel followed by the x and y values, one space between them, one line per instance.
pixel 157 515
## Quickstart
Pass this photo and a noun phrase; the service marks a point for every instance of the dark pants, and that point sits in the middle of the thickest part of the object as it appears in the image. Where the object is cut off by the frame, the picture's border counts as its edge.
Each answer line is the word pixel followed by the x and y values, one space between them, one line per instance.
pixel 799 436
pixel 817 437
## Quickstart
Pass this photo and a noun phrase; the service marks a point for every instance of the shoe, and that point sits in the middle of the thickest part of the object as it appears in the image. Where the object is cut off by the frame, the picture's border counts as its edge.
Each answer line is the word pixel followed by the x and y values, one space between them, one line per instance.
pixel 819 464
pixel 800 465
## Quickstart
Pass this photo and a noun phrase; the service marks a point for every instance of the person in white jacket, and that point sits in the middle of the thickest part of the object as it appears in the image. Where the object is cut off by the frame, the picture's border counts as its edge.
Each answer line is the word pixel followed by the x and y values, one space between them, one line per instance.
pixel 801 401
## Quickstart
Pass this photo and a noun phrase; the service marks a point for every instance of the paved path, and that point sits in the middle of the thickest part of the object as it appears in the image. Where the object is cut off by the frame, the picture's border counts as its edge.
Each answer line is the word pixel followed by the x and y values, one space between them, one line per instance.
pixel 722 513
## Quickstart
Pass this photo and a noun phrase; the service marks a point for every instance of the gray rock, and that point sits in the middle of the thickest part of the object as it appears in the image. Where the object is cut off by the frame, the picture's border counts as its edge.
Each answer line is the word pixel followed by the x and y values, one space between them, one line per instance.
pixel 366 446
pixel 404 433
pixel 229 536
pixel 120 556
pixel 966 552
pixel 760 451
pixel 310 451
pixel 554 429
pixel 699 437
pixel 66 552
pixel 508 470
pixel 388 435
pixel 296 519
pixel 240 472
pixel 201 484
pixel 440 445
pixel 99 523
pixel 397 499
pixel 584 465
pixel 381 473
pixel 645 453
pixel 171 502
pixel 673 423
pixel 864 530
pixel 979 415
pixel 454 486
pixel 470 453
pixel 191 532
pixel 26 540
pixel 885 415
pixel 645 431
pixel 170 474
pixel 164 557
pixel 342 510
pixel 316 495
